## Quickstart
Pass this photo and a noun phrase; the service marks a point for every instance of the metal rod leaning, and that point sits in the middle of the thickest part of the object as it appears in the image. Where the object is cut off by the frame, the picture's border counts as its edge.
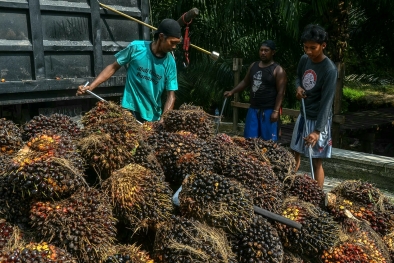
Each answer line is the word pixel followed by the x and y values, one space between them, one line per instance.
pixel 310 147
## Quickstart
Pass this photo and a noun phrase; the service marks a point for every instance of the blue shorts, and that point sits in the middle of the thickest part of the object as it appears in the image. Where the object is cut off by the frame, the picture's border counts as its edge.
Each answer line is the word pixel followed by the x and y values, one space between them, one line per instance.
pixel 258 124
pixel 323 146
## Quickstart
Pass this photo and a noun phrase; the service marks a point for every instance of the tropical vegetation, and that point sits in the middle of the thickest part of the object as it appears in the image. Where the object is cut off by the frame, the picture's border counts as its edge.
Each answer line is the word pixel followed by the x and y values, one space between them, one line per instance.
pixel 360 37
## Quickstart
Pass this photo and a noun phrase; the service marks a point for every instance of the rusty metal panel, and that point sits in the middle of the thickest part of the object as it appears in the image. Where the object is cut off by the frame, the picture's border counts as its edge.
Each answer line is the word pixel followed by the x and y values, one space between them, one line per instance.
pixel 109 58
pixel 68 65
pixel 64 26
pixel 14 25
pixel 49 47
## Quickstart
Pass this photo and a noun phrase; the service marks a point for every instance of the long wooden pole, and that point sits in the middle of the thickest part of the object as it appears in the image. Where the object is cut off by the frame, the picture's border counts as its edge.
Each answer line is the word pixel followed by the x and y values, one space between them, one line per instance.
pixel 213 54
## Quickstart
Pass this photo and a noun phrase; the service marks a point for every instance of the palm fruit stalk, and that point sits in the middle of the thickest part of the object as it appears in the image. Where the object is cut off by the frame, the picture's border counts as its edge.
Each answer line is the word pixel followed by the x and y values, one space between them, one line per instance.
pixel 289 257
pixel 37 252
pixel 185 241
pixel 305 188
pixel 10 138
pixel 129 254
pixel 82 224
pixel 361 245
pixel 48 167
pixel 319 231
pixel 217 201
pixel 180 154
pixel 139 196
pixel 14 207
pixel 9 235
pixel 381 221
pixel 282 161
pixel 57 123
pixel 109 139
pixel 256 176
pixel 259 243
pixel 191 119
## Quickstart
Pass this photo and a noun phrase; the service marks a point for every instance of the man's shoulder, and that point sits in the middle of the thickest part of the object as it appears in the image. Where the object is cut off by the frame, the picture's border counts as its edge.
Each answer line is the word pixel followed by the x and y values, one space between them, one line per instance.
pixel 330 63
pixel 139 43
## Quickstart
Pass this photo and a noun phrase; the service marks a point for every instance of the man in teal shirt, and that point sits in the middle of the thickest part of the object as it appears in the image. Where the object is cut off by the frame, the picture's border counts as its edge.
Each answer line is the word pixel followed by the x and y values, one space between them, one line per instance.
pixel 151 70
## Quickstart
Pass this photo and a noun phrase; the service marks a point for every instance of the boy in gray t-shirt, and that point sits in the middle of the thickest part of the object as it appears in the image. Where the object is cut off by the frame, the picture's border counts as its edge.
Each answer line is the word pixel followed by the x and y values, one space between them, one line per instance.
pixel 316 82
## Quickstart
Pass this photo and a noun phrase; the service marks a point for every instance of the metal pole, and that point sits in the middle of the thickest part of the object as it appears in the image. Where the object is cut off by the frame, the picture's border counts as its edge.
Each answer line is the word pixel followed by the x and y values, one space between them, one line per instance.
pixel 310 147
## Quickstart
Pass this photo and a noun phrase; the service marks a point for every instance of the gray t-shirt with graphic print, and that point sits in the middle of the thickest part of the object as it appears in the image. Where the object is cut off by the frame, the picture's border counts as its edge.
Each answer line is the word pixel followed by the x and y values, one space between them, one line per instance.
pixel 319 82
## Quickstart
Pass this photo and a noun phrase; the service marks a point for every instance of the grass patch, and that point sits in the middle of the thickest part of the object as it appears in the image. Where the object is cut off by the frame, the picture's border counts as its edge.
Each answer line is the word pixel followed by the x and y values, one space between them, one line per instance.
pixel 353 94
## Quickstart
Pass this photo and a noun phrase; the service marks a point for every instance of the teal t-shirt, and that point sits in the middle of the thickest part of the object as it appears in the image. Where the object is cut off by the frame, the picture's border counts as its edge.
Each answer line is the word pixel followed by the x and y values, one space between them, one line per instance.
pixel 147 77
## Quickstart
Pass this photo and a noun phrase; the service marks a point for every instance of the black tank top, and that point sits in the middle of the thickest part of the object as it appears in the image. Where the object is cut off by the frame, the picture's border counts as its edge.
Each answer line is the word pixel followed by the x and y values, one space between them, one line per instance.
pixel 263 86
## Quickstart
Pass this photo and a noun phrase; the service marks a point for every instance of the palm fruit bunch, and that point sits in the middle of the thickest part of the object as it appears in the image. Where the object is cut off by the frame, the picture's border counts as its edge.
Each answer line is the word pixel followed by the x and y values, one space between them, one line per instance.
pixel 359 191
pixel 366 194
pixel 145 156
pixel 184 240
pixel 346 253
pixel 319 231
pixel 362 245
pixel 139 196
pixel 217 201
pixel 105 111
pixel 109 138
pixel 256 176
pixel 37 252
pixel 10 137
pixel 48 167
pixel 259 243
pixel 282 161
pixel 57 123
pixel 361 232
pixel 4 163
pixel 82 224
pixel 129 254
pixel 13 205
pixel 151 127
pixel 389 242
pixel 380 221
pixel 221 147
pixel 189 118
pixel 180 154
pixel 305 188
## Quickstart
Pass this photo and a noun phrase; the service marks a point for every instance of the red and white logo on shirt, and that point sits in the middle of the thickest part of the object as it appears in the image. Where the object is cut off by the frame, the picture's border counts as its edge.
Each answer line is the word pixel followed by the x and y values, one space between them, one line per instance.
pixel 309 79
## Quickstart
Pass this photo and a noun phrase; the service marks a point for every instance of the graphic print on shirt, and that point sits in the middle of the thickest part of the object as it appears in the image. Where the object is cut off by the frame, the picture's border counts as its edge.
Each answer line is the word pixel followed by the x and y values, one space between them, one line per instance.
pixel 257 81
pixel 151 75
pixel 309 79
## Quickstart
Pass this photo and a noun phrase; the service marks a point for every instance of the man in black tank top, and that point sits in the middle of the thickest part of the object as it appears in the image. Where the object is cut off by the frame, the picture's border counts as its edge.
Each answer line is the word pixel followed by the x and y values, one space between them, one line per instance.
pixel 267 81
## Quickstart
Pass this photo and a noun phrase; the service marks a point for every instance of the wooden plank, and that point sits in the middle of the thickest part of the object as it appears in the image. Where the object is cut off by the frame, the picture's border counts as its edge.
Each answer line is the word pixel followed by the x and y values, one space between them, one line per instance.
pixel 290 112
pixel 240 104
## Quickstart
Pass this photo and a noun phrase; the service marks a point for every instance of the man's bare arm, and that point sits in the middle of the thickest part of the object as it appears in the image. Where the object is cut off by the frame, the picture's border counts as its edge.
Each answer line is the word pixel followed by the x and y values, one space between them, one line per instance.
pixel 102 77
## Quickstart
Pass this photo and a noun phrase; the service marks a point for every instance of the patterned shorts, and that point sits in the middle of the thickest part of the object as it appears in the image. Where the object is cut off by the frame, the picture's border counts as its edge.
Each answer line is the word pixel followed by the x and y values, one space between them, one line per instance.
pixel 323 146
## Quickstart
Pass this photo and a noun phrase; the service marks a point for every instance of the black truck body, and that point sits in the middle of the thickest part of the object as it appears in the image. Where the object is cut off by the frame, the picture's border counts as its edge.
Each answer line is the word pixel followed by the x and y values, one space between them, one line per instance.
pixel 50 47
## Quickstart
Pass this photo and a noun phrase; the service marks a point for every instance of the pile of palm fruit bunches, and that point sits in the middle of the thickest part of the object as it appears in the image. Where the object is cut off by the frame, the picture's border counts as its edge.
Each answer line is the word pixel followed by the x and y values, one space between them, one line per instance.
pixel 102 190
